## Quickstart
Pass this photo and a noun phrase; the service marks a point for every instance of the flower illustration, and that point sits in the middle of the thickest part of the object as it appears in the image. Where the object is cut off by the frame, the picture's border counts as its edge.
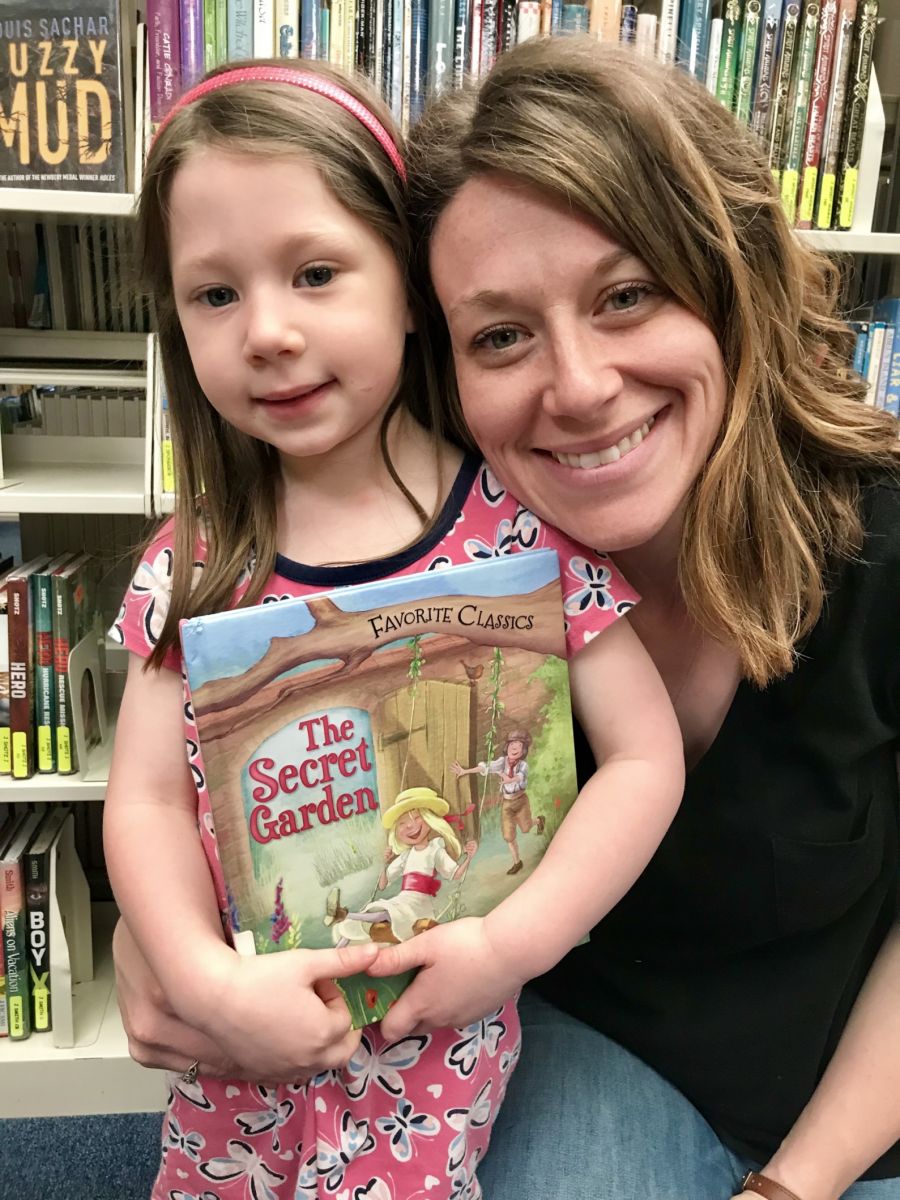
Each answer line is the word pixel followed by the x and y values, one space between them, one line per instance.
pixel 371 997
pixel 403 1126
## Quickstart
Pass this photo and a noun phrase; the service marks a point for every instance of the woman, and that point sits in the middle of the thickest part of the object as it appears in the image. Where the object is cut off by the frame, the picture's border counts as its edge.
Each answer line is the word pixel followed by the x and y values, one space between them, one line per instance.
pixel 647 356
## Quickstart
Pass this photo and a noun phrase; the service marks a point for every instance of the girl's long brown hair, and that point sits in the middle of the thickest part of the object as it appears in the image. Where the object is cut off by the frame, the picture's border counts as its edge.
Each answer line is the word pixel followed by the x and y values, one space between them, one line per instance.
pixel 235 474
pixel 666 171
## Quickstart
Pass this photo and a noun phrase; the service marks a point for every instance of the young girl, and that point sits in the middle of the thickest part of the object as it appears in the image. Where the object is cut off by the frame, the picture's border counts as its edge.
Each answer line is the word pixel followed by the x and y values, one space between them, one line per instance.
pixel 274 238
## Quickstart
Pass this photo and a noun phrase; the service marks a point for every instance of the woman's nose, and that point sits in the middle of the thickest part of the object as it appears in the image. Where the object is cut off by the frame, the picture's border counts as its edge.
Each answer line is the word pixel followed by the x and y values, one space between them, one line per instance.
pixel 585 375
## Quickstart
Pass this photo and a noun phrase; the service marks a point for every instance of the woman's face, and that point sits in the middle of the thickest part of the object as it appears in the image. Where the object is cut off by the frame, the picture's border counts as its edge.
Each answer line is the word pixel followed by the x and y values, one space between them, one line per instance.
pixel 595 396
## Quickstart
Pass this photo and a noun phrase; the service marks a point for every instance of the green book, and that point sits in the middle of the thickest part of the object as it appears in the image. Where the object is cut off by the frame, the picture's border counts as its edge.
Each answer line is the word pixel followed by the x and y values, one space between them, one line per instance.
pixel 74 597
pixel 798 106
pixel 782 90
pixel 728 57
pixel 747 61
pixel 209 35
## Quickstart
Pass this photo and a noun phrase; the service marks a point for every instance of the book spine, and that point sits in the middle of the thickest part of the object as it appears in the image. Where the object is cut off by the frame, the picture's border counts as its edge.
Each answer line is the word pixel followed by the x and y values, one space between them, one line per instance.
pixel 506 31
pixel 529 20
pixel 782 91
pixel 66 757
pixel 645 40
pixel 799 110
pixel 44 681
pixel 15 949
pixel 310 29
pixel 210 53
pixel 263 28
pixel 884 370
pixel 728 55
pixel 762 98
pixel 240 29
pixel 668 31
pixel 461 37
pixel 628 32
pixel 372 44
pixel 855 116
pixel 406 61
pixel 336 32
pixel 37 910
pixel 476 14
pixel 418 67
pixel 605 20
pixel 440 46
pixel 164 50
pixel 859 347
pixel 382 16
pixel 812 151
pixel 221 31
pixel 350 10
pixel 395 98
pixel 21 678
pixel 192 49
pixel 693 36
pixel 873 359
pixel 746 68
pixel 834 114
pixel 889 312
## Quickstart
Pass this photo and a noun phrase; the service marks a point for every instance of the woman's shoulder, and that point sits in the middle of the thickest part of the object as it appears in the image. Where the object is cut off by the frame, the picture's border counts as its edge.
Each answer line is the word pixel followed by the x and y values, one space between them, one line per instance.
pixel 881 519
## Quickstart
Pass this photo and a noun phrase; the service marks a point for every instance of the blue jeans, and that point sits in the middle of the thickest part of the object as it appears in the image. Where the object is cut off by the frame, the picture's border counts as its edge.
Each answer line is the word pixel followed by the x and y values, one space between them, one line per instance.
pixel 586 1120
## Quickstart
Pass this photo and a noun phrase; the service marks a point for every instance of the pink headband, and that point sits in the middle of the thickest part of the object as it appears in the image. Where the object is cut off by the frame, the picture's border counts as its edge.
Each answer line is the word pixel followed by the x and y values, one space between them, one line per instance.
pixel 301 79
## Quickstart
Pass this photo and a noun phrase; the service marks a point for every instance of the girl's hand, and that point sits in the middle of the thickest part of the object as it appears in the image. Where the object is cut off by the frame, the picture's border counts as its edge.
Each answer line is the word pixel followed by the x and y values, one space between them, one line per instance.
pixel 470 848
pixel 389 855
pixel 463 976
pixel 281 1016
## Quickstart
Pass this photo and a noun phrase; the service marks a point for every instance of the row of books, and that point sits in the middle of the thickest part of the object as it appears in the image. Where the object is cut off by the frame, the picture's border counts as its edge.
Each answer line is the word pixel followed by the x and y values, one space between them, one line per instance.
pixel 69 276
pixel 876 355
pixel 27 842
pixel 72 412
pixel 47 606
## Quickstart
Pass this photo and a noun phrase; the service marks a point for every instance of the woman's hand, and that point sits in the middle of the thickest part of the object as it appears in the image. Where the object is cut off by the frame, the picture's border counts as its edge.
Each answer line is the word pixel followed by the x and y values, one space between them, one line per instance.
pixel 462 977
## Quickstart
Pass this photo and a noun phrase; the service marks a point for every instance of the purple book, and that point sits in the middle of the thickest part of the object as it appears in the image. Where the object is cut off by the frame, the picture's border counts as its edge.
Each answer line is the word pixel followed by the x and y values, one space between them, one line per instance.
pixel 164 36
pixel 191 42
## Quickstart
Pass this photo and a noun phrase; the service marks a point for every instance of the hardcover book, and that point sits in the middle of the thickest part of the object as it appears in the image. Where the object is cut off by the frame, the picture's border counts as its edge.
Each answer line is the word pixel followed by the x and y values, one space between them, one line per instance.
pixel 13 923
pixel 61 95
pixel 384 757
pixel 36 870
pixel 20 592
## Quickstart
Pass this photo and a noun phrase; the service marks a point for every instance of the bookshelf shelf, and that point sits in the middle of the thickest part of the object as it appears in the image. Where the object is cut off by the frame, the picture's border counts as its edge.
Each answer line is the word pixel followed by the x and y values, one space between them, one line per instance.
pixel 850 242
pixel 72 345
pixel 44 202
pixel 89 784
pixel 73 487
pixel 95 1075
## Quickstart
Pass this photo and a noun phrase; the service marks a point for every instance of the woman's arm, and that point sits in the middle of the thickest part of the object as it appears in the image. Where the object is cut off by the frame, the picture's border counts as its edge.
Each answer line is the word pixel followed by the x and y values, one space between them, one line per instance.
pixel 853 1116
pixel 164 889
pixel 602 846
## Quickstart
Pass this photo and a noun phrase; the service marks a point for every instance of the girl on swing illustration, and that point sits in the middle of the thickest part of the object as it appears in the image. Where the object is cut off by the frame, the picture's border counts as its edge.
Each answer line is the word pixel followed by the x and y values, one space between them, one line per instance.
pixel 422 851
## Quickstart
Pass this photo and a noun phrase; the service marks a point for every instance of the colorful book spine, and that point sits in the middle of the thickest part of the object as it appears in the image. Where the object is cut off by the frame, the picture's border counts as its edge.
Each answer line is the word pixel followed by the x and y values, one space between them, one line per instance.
pixel 13 921
pixel 575 18
pixel 873 359
pixel 645 40
pixel 441 22
pixel 834 114
pixel 21 667
pixel 36 869
pixel 506 26
pixel 726 79
pixel 884 370
pixel 795 137
pixel 461 35
pixel 476 13
pixel 240 29
pixel 861 330
pixel 693 36
pixel 264 28
pixel 310 30
pixel 418 55
pixel 746 67
pixel 628 32
pixel 221 31
pixel 192 49
pixel 44 673
pixel 765 80
pixel 5 741
pixel 210 52
pixel 166 447
pixel 529 21
pixel 812 151
pixel 781 93
pixel 855 113
pixel 164 51
pixel 73 589
pixel 888 310
pixel 605 20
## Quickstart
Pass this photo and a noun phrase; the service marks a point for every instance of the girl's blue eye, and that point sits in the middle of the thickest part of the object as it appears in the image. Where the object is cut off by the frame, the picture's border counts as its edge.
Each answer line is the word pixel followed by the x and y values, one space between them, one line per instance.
pixel 218 297
pixel 317 276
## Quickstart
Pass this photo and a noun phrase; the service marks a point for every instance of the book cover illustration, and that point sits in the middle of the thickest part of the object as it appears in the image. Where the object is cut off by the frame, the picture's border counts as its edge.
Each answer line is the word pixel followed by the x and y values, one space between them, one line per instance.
pixel 386 756
pixel 61 102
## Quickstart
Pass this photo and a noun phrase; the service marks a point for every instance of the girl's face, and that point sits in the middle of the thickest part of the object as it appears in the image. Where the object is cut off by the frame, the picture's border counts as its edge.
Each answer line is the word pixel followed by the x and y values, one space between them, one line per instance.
pixel 594 395
pixel 411 829
pixel 293 309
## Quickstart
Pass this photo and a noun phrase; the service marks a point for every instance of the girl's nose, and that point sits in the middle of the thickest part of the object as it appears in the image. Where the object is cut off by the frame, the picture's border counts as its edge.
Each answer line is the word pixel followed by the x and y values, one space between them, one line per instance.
pixel 272 330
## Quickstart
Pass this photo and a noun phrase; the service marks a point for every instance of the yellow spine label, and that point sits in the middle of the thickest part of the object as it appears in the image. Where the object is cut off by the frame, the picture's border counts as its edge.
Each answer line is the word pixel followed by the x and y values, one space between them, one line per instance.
pixel 20 755
pixel 16 1016
pixel 168 467
pixel 808 193
pixel 45 748
pixel 848 197
pixel 63 750
pixel 41 997
pixel 790 180
pixel 5 752
pixel 826 201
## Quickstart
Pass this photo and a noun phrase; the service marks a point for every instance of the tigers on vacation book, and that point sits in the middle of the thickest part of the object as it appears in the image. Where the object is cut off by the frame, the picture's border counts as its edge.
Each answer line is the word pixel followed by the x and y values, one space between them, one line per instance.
pixel 386 756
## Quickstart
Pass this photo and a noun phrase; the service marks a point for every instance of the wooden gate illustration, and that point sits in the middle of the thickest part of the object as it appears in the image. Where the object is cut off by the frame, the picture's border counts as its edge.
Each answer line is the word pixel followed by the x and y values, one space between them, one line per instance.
pixel 419 732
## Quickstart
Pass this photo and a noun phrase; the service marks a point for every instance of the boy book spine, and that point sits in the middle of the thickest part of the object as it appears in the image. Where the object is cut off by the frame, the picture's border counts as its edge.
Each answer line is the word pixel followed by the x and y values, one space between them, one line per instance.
pixel 746 69
pixel 768 47
pixel 37 909
pixel 61 96
pixel 812 153
pixel 834 114
pixel 164 48
pixel 799 110
pixel 855 117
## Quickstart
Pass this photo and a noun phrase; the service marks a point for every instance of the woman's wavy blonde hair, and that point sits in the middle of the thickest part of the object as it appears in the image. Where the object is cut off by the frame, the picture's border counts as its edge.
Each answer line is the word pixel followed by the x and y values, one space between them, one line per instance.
pixel 667 172
pixel 235 474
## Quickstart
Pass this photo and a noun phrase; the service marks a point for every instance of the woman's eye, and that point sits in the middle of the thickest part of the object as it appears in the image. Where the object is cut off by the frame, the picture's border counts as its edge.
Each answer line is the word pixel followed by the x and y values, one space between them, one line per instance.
pixel 498 339
pixel 317 276
pixel 625 298
pixel 217 297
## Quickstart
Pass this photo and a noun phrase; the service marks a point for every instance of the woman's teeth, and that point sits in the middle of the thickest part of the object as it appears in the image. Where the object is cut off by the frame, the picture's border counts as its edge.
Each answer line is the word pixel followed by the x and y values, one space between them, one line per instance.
pixel 602 458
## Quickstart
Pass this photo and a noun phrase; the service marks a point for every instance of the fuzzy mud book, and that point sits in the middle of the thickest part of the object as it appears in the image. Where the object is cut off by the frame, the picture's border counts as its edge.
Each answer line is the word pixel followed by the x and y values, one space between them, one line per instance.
pixel 386 756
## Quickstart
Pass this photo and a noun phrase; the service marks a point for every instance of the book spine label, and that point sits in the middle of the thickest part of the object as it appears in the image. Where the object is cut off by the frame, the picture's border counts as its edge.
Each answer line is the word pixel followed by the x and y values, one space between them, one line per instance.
pixel 855 118
pixel 21 679
pixel 812 152
pixel 44 682
pixel 164 42
pixel 37 908
pixel 12 916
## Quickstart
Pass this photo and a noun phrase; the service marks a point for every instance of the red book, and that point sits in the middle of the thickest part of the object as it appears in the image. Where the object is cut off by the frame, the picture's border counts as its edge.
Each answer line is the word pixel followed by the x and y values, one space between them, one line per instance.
pixel 20 595
pixel 818 107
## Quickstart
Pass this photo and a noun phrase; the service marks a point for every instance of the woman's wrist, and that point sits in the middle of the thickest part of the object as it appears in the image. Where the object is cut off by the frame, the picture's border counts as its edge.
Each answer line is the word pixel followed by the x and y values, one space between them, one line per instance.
pixel 809 1177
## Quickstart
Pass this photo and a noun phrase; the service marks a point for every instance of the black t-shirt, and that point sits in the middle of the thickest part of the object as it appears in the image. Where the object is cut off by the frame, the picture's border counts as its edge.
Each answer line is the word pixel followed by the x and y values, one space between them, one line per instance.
pixel 732 964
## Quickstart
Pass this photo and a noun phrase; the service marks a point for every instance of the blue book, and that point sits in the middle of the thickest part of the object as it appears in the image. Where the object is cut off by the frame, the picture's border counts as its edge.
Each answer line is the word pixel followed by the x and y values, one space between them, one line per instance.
pixel 859 350
pixel 355 741
pixel 693 36
pixel 888 310
pixel 240 29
